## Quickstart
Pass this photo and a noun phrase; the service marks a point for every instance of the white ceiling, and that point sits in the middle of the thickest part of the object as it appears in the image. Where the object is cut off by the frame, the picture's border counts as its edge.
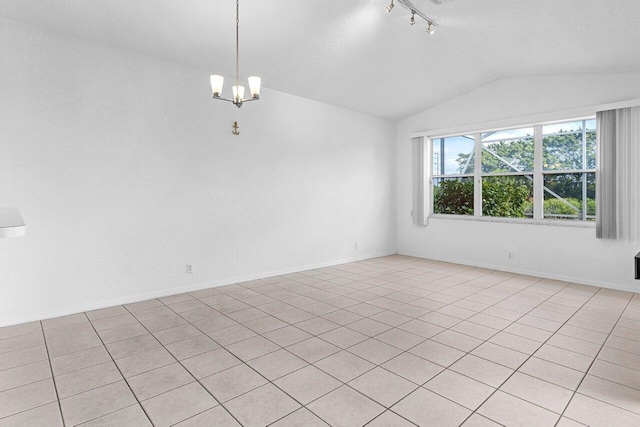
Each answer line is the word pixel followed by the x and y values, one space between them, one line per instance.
pixel 353 53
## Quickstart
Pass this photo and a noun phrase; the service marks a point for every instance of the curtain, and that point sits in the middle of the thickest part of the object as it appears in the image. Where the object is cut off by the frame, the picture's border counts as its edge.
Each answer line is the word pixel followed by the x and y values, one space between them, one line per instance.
pixel 421 174
pixel 618 174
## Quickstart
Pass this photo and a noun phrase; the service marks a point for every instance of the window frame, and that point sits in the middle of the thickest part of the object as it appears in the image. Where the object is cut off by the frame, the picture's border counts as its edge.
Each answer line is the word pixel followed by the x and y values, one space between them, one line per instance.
pixel 538 175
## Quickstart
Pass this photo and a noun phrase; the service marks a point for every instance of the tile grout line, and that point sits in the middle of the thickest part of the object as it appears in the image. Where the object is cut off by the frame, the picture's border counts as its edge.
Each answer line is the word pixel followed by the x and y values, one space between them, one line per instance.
pixel 53 377
pixel 121 374
pixel 532 355
pixel 593 361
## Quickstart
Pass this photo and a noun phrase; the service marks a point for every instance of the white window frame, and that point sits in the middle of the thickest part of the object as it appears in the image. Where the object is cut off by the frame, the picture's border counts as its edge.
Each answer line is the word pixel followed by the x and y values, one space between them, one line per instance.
pixel 538 174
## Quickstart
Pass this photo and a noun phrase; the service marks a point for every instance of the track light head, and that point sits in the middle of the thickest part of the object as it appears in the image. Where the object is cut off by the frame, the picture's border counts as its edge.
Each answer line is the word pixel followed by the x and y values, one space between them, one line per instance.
pixel 412 22
pixel 430 28
pixel 390 7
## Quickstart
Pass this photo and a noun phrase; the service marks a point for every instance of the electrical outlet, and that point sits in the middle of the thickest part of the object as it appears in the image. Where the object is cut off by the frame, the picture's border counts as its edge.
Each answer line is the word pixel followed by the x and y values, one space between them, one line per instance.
pixel 189 268
pixel 510 255
pixel 355 246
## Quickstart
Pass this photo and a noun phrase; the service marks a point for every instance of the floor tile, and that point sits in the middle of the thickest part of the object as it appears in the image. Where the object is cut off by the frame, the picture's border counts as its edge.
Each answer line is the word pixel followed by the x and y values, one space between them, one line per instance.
pixel 265 324
pixel 122 333
pixel 26 397
pixel 132 346
pixel 375 351
pixel 64 321
pixel 22 357
pixel 390 419
pixel 425 408
pixel 72 344
pixel 158 381
pixel 614 373
pixel 287 336
pixel 261 406
pixel 435 352
pixel 345 407
pixel 590 411
pixel 233 382
pixel 210 363
pixel 300 418
pixel 344 366
pixel 313 349
pixel 79 360
pixel 552 372
pixel 132 416
pixel 178 405
pixel 460 389
pixel 87 379
pixel 217 416
pixel 25 374
pixel 482 370
pixel 22 329
pixel 231 335
pixel 384 387
pixel 515 342
pixel 214 324
pixel 400 338
pixel 539 392
pixel 192 347
pixel 106 312
pixel 509 410
pixel 251 348
pixel 179 333
pixel 46 415
pixel 343 337
pixel 413 368
pixel 457 340
pixel 277 364
pixel 475 330
pixel 317 325
pixel 612 393
pixel 113 322
pixel 477 420
pixel 68 331
pixel 564 357
pixel 95 403
pixel 307 384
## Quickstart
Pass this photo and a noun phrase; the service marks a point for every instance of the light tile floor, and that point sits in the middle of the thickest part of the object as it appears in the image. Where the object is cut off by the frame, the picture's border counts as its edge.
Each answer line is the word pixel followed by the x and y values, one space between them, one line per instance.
pixel 392 341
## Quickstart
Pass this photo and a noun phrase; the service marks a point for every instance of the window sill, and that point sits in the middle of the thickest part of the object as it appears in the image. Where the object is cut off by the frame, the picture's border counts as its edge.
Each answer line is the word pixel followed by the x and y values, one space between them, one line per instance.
pixel 550 222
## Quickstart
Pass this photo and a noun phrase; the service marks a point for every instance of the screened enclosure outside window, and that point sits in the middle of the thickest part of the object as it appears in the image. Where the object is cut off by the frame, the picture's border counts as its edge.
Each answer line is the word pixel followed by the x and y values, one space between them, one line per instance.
pixel 542 171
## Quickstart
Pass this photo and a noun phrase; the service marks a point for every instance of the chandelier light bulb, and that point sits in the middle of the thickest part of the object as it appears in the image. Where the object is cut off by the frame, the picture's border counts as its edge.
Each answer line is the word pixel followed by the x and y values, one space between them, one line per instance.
pixel 254 86
pixel 390 7
pixel 216 84
pixel 238 93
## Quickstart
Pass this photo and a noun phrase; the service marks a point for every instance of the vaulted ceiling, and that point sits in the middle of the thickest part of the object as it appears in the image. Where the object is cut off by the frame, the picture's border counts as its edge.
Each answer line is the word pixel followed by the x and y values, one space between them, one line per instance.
pixel 354 54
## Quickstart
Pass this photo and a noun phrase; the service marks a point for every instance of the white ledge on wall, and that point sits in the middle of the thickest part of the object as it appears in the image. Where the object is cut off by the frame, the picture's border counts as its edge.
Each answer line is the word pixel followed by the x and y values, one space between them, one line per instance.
pixel 551 222
pixel 11 223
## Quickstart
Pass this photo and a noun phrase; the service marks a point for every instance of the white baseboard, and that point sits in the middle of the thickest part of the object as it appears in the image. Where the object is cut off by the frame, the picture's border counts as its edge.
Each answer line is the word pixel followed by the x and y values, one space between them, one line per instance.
pixel 181 289
pixel 542 274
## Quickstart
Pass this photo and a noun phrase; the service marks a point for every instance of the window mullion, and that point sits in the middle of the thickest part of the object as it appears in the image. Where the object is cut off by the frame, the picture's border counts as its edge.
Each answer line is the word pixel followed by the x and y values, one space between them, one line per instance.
pixel 538 180
pixel 477 176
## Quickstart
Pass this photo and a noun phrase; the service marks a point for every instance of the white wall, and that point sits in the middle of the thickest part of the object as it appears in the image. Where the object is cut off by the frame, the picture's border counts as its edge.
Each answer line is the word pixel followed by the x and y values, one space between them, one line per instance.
pixel 567 253
pixel 125 170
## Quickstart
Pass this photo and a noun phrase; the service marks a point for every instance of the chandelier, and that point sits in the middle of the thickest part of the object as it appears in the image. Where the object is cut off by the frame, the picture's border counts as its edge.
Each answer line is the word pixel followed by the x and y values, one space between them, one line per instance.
pixel 238 91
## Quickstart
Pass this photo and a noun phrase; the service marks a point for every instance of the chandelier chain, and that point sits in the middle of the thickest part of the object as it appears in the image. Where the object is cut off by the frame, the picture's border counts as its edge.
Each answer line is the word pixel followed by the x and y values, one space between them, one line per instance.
pixel 237 41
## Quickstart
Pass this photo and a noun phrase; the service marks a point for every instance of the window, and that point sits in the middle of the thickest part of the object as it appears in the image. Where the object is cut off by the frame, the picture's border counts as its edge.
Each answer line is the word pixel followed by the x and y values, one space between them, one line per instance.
pixel 543 171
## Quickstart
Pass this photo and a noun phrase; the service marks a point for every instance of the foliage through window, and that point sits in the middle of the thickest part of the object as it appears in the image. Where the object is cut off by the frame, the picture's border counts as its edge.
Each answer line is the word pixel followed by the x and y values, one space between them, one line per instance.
pixel 542 171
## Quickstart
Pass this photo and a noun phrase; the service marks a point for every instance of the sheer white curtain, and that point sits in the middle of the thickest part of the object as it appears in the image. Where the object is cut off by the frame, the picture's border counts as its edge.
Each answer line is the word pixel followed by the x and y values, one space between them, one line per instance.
pixel 421 175
pixel 618 174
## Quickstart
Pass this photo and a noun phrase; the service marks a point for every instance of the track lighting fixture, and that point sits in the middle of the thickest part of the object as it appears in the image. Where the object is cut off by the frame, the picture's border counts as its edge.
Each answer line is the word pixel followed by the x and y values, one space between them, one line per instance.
pixel 390 7
pixel 431 24
pixel 430 28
